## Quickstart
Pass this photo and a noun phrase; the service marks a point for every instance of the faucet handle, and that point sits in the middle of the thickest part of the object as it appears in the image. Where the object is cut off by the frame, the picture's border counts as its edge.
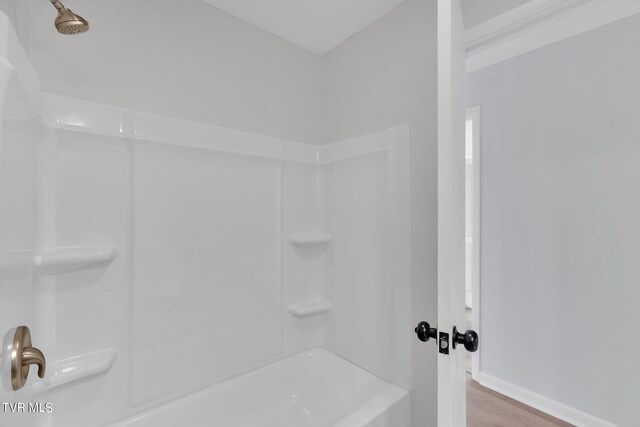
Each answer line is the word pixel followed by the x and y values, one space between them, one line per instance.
pixel 33 356
pixel 21 356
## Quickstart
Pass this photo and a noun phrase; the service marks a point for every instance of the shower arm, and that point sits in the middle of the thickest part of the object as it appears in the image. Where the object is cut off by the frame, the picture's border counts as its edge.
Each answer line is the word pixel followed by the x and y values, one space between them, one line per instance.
pixel 56 4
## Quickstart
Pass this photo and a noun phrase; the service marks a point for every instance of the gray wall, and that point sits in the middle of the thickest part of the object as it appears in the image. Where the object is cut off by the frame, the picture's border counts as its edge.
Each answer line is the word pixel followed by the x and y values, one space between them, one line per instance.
pixel 382 77
pixel 560 235
pixel 179 58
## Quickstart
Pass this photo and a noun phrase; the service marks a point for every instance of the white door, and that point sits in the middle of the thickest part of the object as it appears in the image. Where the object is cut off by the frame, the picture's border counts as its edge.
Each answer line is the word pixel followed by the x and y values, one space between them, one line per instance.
pixel 451 288
pixel 451 344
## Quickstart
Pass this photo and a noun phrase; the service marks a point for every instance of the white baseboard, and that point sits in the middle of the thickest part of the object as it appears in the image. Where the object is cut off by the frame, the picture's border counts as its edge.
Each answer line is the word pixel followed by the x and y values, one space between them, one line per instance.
pixel 541 403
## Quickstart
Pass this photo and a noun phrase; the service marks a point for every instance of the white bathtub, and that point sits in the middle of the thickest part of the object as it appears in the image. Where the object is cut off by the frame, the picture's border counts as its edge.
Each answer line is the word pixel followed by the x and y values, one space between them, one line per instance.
pixel 312 389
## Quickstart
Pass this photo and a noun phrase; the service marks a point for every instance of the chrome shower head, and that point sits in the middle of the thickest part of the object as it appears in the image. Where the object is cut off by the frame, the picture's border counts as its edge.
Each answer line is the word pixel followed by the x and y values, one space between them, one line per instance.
pixel 68 22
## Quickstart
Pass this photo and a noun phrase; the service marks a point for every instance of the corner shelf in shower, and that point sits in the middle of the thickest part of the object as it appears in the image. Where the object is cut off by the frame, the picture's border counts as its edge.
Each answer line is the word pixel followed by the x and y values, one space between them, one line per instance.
pixel 310 307
pixel 310 240
pixel 75 369
pixel 72 258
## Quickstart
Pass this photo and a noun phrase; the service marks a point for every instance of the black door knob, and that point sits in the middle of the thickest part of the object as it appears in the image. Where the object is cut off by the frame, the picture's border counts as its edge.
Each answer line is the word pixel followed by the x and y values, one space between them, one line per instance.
pixel 424 331
pixel 469 339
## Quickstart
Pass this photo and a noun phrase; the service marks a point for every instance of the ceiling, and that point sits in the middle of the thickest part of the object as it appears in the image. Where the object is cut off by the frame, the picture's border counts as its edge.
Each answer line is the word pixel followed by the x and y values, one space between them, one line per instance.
pixel 316 25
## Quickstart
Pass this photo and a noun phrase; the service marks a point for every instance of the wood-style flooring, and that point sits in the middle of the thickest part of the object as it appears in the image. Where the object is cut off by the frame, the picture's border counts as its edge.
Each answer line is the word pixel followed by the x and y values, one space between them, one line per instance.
pixel 486 408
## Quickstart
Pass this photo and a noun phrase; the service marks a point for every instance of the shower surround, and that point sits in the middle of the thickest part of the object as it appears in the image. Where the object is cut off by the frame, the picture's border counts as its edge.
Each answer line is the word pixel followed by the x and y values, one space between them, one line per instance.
pixel 167 267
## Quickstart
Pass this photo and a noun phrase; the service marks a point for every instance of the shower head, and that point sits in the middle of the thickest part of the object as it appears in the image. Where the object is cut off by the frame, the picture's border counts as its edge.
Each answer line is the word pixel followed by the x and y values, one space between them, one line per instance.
pixel 68 22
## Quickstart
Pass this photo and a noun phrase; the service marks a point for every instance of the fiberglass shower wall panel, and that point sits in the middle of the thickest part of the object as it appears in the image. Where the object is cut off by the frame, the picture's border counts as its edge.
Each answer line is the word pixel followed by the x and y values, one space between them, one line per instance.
pixel 306 268
pixel 372 305
pixel 206 266
pixel 19 128
pixel 84 202
pixel 17 183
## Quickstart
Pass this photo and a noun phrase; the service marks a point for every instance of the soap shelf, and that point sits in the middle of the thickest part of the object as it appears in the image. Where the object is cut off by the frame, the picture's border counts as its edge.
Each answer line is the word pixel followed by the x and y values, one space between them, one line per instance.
pixel 75 369
pixel 310 240
pixel 72 258
pixel 310 307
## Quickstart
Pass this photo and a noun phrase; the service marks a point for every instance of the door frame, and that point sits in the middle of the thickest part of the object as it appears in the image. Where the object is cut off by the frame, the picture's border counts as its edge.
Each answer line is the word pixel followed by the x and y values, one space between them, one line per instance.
pixel 475 114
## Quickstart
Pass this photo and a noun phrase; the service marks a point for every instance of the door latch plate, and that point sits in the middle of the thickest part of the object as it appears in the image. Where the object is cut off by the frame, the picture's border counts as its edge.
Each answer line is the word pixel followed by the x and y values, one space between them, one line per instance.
pixel 443 343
